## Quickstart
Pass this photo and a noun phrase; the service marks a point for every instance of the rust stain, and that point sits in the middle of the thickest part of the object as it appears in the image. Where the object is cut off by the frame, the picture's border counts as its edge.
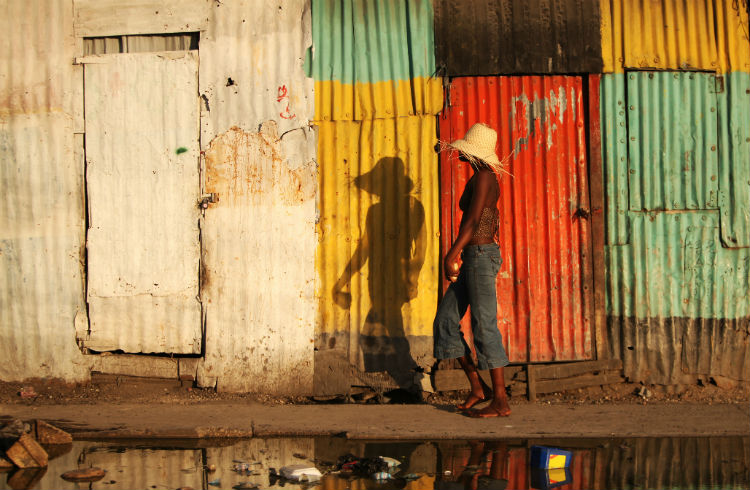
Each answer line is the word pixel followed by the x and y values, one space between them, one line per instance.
pixel 246 167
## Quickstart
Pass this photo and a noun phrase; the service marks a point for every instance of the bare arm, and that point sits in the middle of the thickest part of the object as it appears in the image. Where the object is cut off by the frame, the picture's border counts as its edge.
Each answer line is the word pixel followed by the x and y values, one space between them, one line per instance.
pixel 484 180
pixel 358 260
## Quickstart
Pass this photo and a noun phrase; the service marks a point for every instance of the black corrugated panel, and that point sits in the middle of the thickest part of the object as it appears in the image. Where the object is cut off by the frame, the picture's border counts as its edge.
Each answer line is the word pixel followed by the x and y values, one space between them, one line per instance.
pixel 489 37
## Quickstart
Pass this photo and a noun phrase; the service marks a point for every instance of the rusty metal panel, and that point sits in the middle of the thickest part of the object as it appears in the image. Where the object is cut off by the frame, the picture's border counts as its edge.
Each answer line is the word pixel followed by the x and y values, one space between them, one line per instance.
pixel 373 59
pixel 41 214
pixel 492 37
pixel 378 254
pixel 143 247
pixel 675 35
pixel 259 241
pixel 544 298
pixel 118 17
pixel 672 141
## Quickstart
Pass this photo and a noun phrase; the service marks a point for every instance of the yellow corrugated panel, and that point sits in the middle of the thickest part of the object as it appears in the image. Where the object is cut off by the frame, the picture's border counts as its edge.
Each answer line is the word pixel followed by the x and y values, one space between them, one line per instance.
pixel 733 35
pixel 337 101
pixel 674 35
pixel 379 219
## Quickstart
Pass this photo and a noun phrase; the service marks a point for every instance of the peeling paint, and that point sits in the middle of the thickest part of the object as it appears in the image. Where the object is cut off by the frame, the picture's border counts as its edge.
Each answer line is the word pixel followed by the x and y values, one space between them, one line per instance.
pixel 246 166
pixel 541 109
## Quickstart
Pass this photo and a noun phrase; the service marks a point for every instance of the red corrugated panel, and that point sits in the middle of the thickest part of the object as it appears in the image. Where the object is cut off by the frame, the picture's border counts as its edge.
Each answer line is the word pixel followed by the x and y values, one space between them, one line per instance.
pixel 543 299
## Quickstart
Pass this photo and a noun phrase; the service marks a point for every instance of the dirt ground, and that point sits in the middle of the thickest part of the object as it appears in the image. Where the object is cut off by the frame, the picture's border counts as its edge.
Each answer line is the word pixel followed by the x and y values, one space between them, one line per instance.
pixel 142 390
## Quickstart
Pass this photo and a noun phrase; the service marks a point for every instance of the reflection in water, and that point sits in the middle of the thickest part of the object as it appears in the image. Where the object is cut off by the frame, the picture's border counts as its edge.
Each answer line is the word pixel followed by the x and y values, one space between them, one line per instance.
pixel 393 244
pixel 644 463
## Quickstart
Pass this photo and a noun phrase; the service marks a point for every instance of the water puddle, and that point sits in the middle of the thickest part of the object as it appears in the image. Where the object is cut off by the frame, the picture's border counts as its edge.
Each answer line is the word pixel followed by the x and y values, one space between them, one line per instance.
pixel 637 463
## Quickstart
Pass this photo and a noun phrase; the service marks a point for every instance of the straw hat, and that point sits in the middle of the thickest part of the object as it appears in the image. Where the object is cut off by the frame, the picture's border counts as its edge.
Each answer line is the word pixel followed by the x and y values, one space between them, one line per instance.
pixel 479 143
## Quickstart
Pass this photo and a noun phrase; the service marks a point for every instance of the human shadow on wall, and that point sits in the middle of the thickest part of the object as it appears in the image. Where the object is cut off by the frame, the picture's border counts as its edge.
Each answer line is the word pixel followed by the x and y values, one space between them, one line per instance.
pixel 393 245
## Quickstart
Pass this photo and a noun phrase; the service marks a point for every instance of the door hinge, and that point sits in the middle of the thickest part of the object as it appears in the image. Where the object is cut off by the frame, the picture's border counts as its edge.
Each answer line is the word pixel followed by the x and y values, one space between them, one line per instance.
pixel 207 199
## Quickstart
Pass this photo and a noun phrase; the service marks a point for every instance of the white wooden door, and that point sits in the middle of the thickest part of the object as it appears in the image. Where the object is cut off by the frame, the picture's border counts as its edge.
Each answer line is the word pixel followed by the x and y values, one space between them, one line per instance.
pixel 142 176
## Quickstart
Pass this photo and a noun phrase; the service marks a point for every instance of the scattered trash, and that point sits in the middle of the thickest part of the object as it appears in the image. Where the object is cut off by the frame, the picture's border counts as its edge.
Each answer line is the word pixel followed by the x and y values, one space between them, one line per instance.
pixel 27 453
pixel 381 476
pixel 364 466
pixel 391 462
pixel 28 392
pixel 86 474
pixel 13 430
pixel 215 483
pixel 549 457
pixel 643 392
pixel 211 468
pixel 299 456
pixel 301 473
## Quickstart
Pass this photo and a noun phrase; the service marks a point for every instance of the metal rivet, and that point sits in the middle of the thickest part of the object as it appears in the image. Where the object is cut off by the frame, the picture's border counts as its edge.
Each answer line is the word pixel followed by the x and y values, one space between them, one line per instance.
pixel 632 108
pixel 632 171
pixel 651 75
pixel 632 138
pixel 713 177
pixel 713 109
pixel 622 159
pixel 713 147
pixel 622 123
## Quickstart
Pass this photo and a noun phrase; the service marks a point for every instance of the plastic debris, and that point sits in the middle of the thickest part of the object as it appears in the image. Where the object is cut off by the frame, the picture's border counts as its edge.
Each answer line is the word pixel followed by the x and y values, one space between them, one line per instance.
pixel 381 476
pixel 301 473
pixel 550 457
pixel 28 392
pixel 391 462
pixel 86 474
pixel 215 483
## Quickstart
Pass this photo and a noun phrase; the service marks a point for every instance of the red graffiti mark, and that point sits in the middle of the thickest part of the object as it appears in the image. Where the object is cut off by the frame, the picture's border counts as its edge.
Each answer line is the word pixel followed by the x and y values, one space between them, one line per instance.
pixel 287 114
pixel 282 93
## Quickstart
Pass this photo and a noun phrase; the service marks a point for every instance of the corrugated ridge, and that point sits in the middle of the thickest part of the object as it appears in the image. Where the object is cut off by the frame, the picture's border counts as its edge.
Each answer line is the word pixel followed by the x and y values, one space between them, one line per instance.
pixel 41 220
pixel 378 187
pixel 373 60
pixel 535 117
pixel 259 239
pixel 674 35
pixel 672 138
pixel 490 37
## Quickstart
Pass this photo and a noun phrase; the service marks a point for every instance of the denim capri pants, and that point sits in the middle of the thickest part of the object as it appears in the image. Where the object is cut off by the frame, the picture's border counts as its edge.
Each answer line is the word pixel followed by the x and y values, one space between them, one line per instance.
pixel 476 286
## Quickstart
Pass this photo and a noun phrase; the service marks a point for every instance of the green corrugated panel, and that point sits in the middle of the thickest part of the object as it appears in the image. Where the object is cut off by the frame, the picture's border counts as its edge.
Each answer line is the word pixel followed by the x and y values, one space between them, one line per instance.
pixel 615 156
pixel 672 141
pixel 675 266
pixel 372 40
pixel 734 155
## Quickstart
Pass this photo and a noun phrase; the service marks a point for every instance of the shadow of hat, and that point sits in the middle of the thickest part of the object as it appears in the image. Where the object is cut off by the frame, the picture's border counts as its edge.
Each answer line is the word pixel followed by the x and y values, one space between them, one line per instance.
pixel 389 173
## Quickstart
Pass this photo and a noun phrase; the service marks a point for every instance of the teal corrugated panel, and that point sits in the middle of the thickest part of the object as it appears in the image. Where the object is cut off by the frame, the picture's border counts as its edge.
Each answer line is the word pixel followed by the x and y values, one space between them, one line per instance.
pixel 672 141
pixel 615 156
pixel 372 41
pixel 675 266
pixel 734 155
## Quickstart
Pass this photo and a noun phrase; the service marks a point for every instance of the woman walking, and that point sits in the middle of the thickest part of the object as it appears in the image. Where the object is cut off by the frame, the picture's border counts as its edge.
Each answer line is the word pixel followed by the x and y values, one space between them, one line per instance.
pixel 475 283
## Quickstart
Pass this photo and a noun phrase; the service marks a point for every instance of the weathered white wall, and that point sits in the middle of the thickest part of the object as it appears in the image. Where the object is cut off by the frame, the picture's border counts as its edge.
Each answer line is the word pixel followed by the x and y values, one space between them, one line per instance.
pixel 41 209
pixel 259 239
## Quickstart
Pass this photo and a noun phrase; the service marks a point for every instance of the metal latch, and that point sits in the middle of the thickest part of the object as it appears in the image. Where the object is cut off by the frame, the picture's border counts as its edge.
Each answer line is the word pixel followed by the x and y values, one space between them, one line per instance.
pixel 718 87
pixel 207 199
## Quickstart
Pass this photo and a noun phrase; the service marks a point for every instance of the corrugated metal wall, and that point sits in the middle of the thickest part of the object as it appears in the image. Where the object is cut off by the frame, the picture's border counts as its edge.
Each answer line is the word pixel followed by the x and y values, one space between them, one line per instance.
pixel 259 239
pixel 693 462
pixel 544 290
pixel 492 37
pixel 676 147
pixel 378 252
pixel 41 175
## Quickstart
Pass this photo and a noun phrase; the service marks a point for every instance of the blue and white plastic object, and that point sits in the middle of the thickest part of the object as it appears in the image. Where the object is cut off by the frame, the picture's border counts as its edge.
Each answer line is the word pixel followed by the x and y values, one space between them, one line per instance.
pixel 550 458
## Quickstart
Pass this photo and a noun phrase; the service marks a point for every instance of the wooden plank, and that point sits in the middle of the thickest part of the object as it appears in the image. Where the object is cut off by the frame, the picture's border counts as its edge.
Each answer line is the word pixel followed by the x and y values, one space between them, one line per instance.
pixel 556 385
pixel 27 453
pixel 93 18
pixel 558 371
pixel 531 381
pixel 455 379
pixel 48 434
pixel 596 189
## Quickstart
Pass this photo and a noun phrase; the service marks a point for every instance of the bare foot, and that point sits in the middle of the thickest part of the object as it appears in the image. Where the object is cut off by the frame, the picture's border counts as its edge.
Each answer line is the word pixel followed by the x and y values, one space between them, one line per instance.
pixel 471 400
pixel 491 410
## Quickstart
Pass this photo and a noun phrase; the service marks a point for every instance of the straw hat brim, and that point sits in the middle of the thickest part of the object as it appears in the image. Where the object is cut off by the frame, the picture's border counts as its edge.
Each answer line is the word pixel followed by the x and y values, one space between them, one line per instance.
pixel 472 151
